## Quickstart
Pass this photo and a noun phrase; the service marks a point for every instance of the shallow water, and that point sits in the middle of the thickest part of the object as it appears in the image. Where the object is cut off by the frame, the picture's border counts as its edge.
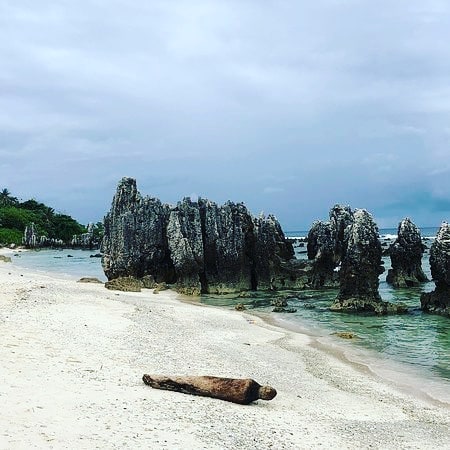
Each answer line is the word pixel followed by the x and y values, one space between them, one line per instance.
pixel 78 264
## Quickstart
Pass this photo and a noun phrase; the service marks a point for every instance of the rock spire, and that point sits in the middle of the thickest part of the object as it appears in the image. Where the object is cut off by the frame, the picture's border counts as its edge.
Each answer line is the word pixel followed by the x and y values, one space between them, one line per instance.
pixel 326 246
pixel 360 268
pixel 406 256
pixel 198 246
pixel 438 301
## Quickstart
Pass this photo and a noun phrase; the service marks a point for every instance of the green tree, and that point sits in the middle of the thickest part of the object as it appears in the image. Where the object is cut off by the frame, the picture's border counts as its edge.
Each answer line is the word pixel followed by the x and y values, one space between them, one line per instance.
pixel 6 199
pixel 16 218
pixel 99 231
pixel 64 227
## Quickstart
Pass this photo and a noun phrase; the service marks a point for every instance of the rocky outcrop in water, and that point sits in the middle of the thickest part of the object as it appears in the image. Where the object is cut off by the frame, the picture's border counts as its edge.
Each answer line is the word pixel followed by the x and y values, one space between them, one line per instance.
pixel 321 251
pixel 30 236
pixel 360 267
pixel 341 217
pixel 406 256
pixel 198 246
pixel 326 246
pixel 31 239
pixel 438 301
pixel 85 241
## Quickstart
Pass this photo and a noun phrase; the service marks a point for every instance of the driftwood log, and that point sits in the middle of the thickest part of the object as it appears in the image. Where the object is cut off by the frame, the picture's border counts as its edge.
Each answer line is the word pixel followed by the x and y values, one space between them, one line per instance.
pixel 243 391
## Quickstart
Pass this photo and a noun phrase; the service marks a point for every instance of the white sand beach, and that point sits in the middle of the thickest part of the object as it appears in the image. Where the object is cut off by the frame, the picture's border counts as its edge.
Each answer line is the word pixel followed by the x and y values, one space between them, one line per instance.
pixel 73 356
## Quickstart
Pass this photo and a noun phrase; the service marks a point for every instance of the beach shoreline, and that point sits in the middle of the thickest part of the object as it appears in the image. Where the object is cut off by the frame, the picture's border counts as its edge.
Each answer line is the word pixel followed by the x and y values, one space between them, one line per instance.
pixel 74 355
pixel 400 375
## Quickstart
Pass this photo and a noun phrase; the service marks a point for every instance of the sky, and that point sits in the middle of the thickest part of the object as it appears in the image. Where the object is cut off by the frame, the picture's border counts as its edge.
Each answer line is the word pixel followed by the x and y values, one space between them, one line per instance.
pixel 290 106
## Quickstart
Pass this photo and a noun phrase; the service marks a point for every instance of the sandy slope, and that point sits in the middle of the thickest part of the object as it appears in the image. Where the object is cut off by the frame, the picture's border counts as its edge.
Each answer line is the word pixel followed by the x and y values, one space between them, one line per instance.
pixel 72 357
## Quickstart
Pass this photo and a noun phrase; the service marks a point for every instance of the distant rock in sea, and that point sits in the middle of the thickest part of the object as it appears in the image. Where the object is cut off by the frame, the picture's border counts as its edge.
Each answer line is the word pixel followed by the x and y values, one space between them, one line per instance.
pixel 31 239
pixel 438 301
pixel 406 256
pixel 86 241
pixel 198 246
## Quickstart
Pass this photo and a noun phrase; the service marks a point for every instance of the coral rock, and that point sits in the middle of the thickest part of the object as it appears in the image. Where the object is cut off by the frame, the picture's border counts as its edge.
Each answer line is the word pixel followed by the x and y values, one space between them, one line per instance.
pixel 199 247
pixel 406 256
pixel 438 301
pixel 360 268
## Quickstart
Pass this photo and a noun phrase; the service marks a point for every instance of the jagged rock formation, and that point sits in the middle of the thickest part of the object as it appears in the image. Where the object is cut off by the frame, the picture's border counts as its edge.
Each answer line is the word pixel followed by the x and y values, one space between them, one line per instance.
pixel 31 239
pixel 438 301
pixel 86 240
pixel 135 241
pixel 360 267
pixel 326 246
pixel 406 256
pixel 321 251
pixel 341 217
pixel 199 246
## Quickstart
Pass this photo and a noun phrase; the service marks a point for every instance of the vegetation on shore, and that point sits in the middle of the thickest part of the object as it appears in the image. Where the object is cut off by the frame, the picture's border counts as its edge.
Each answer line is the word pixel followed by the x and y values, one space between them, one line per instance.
pixel 16 215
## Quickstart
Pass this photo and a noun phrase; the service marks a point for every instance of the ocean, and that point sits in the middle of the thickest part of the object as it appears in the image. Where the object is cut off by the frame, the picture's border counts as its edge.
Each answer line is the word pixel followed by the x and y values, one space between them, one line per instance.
pixel 413 348
pixel 66 263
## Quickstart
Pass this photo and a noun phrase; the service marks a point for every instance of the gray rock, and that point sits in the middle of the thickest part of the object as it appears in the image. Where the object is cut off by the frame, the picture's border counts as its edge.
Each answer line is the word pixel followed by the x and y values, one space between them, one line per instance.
pixel 135 240
pixel 86 240
pixel 358 305
pixel 360 268
pixel 406 256
pixel 229 242
pixel 126 284
pixel 30 236
pixel 321 250
pixel 31 239
pixel 438 301
pixel 280 309
pixel 198 246
pixel 89 280
pixel 185 244
pixel 341 217
pixel 326 246
pixel 279 302
pixel 273 263
pixel 361 265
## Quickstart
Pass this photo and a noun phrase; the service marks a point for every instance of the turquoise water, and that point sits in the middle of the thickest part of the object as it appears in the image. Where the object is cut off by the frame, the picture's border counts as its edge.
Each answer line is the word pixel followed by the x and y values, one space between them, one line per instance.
pixel 78 264
pixel 420 342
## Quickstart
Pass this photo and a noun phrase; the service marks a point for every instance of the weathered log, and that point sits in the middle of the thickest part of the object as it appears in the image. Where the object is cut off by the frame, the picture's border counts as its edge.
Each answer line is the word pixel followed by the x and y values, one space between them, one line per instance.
pixel 243 391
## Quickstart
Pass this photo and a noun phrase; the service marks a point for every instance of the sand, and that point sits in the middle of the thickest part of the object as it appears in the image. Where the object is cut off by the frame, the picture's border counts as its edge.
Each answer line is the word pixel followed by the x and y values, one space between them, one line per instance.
pixel 73 355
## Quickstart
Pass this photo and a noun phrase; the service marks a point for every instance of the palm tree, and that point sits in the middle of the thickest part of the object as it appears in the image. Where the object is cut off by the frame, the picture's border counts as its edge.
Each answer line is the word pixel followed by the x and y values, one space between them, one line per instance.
pixel 6 199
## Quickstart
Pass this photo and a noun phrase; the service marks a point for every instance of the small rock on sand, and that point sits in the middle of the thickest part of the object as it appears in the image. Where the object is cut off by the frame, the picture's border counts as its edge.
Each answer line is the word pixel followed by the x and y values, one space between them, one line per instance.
pixel 89 280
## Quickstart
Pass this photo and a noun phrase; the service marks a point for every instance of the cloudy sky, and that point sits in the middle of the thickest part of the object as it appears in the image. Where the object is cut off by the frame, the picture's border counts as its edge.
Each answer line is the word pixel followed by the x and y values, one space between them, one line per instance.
pixel 290 106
